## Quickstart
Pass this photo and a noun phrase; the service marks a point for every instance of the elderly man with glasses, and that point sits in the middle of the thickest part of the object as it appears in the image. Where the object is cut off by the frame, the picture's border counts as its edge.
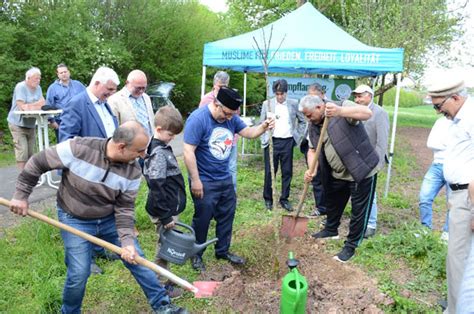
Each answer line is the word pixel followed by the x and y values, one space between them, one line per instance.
pixel 449 97
pixel 132 103
pixel 208 136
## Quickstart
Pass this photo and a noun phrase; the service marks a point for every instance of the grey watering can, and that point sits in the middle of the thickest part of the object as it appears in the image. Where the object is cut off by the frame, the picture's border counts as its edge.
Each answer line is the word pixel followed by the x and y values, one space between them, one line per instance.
pixel 177 246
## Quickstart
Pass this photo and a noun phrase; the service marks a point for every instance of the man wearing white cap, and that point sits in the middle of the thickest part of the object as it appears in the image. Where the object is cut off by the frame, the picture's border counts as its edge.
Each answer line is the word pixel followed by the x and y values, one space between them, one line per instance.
pixel 449 97
pixel 377 128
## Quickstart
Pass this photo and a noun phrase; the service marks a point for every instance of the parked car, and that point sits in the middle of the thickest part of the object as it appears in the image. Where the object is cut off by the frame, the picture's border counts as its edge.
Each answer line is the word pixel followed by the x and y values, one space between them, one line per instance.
pixel 160 94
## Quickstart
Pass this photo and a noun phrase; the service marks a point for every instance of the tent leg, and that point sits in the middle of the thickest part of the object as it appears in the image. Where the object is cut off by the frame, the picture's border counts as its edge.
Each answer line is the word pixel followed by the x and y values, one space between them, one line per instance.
pixel 394 130
pixel 245 94
pixel 203 83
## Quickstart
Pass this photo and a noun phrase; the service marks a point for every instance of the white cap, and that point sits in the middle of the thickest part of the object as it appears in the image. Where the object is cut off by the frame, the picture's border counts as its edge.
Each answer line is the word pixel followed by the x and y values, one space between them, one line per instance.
pixel 363 89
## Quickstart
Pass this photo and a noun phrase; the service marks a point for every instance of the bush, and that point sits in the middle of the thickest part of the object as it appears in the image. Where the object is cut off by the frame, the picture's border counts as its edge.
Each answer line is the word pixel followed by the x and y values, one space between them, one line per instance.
pixel 408 98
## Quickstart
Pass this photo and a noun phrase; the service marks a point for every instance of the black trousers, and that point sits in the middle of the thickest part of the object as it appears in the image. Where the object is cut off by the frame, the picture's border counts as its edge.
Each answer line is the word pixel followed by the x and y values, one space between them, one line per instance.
pixel 318 189
pixel 282 155
pixel 337 196
pixel 218 203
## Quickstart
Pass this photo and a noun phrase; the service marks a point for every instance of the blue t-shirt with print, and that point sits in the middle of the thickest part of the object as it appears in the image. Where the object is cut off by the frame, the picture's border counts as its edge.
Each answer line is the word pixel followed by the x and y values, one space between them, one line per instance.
pixel 213 141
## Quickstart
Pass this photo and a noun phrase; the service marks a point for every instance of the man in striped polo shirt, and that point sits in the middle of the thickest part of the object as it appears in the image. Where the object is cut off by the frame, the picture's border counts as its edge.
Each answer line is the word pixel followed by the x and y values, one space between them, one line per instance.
pixel 99 185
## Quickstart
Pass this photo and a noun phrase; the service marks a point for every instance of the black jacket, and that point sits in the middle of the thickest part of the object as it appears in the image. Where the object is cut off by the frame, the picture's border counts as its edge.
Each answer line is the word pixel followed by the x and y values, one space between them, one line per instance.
pixel 166 191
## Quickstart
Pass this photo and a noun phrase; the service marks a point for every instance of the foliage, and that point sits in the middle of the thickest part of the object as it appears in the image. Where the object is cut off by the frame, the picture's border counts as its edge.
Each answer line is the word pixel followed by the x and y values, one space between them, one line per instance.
pixel 408 98
pixel 387 24
pixel 163 38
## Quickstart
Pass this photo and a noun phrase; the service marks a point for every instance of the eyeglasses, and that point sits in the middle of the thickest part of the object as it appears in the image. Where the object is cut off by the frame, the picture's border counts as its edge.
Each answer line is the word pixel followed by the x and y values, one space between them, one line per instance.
pixel 225 112
pixel 140 88
pixel 440 105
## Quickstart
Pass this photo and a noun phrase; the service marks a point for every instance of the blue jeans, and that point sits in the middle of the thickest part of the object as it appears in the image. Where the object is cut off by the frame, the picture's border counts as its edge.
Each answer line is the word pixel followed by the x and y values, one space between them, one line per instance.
pixel 78 259
pixel 373 214
pixel 433 182
pixel 233 165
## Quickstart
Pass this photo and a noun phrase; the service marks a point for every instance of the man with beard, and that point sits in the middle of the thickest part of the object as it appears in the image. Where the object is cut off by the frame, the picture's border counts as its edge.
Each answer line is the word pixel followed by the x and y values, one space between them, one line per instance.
pixel 208 136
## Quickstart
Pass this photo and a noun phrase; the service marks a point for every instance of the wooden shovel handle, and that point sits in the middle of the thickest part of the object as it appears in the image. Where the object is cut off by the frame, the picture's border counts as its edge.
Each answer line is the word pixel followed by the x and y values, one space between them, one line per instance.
pixel 109 246
pixel 313 167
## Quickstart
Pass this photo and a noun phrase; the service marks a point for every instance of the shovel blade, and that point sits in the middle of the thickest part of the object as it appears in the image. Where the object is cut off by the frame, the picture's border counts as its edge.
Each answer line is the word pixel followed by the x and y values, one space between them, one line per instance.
pixel 205 288
pixel 293 226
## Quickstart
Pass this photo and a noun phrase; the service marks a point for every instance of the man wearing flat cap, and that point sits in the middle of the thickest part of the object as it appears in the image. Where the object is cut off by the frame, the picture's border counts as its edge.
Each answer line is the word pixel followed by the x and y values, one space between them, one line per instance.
pixel 208 136
pixel 377 128
pixel 449 96
pixel 290 127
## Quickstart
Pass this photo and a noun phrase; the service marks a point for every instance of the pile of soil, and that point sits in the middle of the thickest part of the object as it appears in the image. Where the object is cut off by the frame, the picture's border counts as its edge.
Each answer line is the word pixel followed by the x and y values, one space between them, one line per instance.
pixel 332 286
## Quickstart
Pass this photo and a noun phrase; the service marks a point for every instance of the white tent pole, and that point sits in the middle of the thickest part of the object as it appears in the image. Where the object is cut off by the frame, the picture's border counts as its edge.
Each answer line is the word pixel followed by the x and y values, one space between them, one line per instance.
pixel 245 94
pixel 203 84
pixel 394 130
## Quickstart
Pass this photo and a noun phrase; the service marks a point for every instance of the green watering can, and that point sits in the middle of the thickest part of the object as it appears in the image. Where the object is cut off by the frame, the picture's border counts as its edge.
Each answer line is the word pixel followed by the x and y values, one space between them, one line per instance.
pixel 294 289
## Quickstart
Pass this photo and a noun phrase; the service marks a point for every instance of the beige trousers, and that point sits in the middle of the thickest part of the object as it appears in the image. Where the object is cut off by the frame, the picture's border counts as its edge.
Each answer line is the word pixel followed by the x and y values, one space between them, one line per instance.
pixel 459 243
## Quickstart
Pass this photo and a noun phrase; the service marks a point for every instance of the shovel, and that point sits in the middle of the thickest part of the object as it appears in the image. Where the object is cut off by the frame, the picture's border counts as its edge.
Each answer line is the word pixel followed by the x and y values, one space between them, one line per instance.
pixel 295 226
pixel 201 289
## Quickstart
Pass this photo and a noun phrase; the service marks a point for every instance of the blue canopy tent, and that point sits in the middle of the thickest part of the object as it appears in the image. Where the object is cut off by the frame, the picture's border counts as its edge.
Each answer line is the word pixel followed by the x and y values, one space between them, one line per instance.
pixel 304 41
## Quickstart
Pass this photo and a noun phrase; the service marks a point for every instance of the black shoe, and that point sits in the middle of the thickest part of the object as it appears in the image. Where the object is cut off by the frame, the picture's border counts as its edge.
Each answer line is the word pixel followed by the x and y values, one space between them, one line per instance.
pixel 269 205
pixel 286 205
pixel 318 212
pixel 234 259
pixel 443 303
pixel 324 234
pixel 345 254
pixel 170 309
pixel 197 263
pixel 369 232
pixel 95 270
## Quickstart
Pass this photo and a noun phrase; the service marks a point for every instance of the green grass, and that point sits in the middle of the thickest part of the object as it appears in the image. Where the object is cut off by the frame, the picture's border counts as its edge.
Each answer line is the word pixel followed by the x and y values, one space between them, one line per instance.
pixel 419 116
pixel 32 271
pixel 7 158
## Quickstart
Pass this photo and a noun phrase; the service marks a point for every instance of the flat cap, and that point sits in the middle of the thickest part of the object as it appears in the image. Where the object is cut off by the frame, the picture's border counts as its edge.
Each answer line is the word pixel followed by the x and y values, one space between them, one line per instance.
pixel 363 89
pixel 229 98
pixel 445 85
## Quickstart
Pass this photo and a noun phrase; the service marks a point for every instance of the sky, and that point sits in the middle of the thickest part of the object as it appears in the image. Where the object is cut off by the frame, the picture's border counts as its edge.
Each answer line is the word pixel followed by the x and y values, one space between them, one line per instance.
pixel 215 5
pixel 462 49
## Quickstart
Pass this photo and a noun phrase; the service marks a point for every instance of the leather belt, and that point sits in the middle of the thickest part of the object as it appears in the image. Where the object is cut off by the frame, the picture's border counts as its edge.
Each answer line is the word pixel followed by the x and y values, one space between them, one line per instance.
pixel 456 187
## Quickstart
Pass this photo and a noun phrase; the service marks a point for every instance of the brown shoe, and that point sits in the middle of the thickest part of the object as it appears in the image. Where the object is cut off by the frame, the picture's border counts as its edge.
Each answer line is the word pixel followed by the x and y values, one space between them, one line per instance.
pixel 172 290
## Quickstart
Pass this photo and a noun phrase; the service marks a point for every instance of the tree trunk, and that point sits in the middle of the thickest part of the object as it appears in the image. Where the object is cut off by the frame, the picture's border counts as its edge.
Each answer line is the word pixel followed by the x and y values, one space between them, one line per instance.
pixel 300 3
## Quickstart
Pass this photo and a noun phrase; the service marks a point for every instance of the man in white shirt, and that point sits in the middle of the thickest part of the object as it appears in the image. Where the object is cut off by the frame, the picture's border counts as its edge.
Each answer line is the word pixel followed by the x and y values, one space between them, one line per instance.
pixel 289 130
pixel 449 96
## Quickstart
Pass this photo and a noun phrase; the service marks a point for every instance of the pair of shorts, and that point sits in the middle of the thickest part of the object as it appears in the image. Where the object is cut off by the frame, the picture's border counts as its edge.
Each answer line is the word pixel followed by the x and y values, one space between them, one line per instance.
pixel 24 140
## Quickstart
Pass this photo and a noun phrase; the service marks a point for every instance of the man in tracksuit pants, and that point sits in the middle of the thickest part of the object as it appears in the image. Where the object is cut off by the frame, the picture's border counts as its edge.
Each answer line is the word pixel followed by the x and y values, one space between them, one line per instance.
pixel 348 164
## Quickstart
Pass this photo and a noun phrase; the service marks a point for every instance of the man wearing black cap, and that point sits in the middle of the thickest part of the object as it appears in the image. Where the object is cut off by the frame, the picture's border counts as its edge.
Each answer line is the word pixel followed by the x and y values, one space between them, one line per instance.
pixel 208 136
pixel 289 130
pixel 449 97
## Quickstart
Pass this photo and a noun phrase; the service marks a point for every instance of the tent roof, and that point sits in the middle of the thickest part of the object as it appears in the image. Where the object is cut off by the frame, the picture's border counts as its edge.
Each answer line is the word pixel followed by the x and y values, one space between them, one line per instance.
pixel 310 43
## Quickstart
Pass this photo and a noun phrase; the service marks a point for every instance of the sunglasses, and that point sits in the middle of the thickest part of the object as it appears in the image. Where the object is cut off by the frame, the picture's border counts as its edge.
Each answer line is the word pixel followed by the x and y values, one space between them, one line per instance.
pixel 438 106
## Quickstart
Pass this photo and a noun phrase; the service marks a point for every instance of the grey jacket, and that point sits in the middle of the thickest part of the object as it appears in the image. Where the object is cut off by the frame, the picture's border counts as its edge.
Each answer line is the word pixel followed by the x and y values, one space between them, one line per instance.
pixel 297 120
pixel 377 128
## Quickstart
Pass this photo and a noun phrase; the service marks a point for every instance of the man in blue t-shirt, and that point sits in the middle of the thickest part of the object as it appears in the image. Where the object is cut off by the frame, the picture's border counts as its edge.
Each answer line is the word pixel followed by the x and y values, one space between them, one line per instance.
pixel 208 136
